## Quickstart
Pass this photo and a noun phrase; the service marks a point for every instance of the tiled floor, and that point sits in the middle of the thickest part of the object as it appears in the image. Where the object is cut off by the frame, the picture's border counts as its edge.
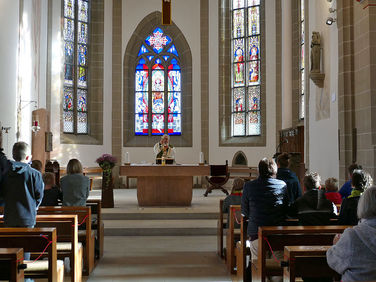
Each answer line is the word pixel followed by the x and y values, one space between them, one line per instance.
pixel 160 258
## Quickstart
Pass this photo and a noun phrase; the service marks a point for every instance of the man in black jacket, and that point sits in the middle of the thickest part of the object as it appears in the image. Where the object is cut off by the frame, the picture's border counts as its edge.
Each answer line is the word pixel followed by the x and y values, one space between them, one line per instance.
pixel 22 189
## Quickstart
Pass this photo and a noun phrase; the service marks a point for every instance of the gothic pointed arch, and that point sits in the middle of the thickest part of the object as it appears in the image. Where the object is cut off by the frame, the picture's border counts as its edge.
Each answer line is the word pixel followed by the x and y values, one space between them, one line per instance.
pixel 131 63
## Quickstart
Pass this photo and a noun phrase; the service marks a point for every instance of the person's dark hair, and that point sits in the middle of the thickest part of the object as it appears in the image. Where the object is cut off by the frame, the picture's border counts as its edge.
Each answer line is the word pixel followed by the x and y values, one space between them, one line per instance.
pixel 331 184
pixel 312 181
pixel 237 185
pixel 361 180
pixel 74 166
pixel 49 178
pixel 283 160
pixel 267 168
pixel 37 164
pixel 20 151
pixel 353 167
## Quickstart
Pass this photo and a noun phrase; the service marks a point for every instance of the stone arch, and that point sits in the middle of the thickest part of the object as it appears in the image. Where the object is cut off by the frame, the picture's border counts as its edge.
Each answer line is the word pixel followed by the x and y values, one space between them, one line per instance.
pixel 239 159
pixel 144 28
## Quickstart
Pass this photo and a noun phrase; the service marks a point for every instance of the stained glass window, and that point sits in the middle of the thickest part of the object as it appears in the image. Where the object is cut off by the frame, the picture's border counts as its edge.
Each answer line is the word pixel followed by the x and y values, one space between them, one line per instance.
pixel 246 67
pixel 158 86
pixel 301 60
pixel 76 39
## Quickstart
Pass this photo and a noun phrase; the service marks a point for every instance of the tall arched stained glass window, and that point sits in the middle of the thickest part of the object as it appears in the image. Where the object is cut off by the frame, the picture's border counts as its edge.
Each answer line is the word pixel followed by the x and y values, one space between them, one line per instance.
pixel 76 39
pixel 302 63
pixel 246 80
pixel 158 87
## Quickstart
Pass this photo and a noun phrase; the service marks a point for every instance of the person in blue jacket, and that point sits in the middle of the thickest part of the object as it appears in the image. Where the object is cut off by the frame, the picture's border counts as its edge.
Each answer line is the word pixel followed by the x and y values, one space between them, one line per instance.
pixel 346 188
pixel 21 189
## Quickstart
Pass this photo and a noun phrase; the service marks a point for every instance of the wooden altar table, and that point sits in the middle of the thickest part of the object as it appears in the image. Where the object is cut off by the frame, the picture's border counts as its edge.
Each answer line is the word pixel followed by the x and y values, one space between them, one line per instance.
pixel 164 185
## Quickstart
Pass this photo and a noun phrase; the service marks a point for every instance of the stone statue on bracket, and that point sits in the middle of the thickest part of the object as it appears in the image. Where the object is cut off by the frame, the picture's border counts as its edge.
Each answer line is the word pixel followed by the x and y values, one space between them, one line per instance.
pixel 315 74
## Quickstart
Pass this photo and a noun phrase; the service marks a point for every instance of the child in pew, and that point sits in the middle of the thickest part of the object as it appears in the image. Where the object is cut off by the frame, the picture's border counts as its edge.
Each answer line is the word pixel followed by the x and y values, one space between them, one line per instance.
pixel 235 198
pixel 52 194
pixel 331 191
pixel 75 186
pixel 37 165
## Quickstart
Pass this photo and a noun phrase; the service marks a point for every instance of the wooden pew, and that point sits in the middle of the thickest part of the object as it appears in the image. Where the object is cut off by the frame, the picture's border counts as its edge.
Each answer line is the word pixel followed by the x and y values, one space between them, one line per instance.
pixel 307 261
pixel 11 264
pixel 246 173
pixel 232 236
pixel 97 224
pixel 221 226
pixel 241 251
pixel 277 237
pixel 31 240
pixel 86 237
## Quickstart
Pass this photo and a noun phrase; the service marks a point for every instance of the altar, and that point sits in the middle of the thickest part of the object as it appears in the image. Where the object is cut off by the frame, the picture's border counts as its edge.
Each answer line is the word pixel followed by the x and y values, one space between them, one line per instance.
pixel 164 185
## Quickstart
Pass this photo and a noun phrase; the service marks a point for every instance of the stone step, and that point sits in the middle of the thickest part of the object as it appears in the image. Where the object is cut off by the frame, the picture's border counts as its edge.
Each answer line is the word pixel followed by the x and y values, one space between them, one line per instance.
pixel 172 227
pixel 158 216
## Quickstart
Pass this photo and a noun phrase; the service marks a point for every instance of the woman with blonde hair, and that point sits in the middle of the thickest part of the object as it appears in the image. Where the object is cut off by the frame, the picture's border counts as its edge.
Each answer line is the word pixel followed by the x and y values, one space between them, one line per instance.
pixel 75 186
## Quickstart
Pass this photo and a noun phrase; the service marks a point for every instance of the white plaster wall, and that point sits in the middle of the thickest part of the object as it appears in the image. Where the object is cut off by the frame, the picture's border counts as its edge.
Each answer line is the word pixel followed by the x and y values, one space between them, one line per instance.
pixel 186 15
pixel 219 154
pixel 87 154
pixel 9 27
pixel 323 134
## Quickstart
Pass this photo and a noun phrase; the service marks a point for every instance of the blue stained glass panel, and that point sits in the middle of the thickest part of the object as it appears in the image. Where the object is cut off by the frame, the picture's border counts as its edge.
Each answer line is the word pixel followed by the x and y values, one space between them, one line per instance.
pixel 141 65
pixel 166 58
pixel 157 125
pixel 174 65
pixel 69 9
pixel 68 30
pixel 239 99
pixel 81 123
pixel 143 50
pixel 254 20
pixel 83 11
pixel 158 80
pixel 174 80
pixel 254 125
pixel 82 55
pixel 68 74
pixel 82 79
pixel 82 33
pixel 254 98
pixel 157 103
pixel 142 80
pixel 254 48
pixel 158 40
pixel 238 50
pixel 238 73
pixel 68 122
pixel 172 50
pixel 150 58
pixel 141 103
pixel 174 124
pixel 141 124
pixel 174 102
pixel 68 99
pixel 81 100
pixel 69 52
pixel 254 73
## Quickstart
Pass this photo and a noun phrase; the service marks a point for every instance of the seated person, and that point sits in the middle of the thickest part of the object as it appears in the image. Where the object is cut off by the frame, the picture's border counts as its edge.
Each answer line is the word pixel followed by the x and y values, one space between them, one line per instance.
pixel 361 180
pixel 313 208
pixel 346 188
pixel 37 164
pixel 331 191
pixel 289 177
pixel 235 198
pixel 75 186
pixel 52 193
pixel 353 254
pixel 164 149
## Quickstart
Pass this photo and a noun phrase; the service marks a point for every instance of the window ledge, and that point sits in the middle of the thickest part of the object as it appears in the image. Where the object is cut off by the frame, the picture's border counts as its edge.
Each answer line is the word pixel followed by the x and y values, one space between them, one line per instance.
pixel 79 139
pixel 249 141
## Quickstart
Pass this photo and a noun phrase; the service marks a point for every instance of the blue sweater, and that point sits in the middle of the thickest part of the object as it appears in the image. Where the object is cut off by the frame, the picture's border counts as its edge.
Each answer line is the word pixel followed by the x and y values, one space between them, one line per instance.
pixel 346 189
pixel 22 190
pixel 265 203
pixel 292 182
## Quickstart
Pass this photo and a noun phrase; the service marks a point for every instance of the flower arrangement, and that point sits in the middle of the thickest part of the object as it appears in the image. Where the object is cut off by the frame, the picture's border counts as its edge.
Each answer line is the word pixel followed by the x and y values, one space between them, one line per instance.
pixel 106 162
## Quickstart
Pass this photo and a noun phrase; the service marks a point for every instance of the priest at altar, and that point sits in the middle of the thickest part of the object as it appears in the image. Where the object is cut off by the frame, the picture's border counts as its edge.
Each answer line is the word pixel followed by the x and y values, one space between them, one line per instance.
pixel 163 149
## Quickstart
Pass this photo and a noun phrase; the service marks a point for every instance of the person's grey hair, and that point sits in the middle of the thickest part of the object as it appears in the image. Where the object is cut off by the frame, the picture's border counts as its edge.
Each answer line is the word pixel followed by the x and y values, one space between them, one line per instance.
pixel 20 151
pixel 367 204
pixel 166 135
pixel 361 180
pixel 312 181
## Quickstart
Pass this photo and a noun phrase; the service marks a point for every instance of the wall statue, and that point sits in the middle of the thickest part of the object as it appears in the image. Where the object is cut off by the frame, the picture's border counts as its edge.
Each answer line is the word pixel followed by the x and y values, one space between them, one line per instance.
pixel 315 52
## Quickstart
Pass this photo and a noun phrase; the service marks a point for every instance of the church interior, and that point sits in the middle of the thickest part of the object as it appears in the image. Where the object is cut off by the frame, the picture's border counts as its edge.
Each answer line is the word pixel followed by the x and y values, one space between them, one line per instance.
pixel 230 82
